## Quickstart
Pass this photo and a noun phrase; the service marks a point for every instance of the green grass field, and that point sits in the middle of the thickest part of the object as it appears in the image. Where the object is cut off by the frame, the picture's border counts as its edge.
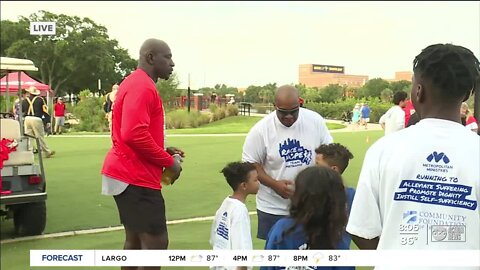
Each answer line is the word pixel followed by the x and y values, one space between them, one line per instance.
pixel 234 124
pixel 74 200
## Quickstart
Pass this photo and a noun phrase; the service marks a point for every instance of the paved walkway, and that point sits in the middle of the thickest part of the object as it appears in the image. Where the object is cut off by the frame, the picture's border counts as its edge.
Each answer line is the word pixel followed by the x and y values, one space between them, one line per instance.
pixel 348 128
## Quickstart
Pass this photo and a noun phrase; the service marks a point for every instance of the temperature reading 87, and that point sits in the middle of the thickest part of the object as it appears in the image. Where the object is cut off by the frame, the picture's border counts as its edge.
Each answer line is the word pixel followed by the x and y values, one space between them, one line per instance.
pixel 211 258
pixel 333 258
pixel 272 258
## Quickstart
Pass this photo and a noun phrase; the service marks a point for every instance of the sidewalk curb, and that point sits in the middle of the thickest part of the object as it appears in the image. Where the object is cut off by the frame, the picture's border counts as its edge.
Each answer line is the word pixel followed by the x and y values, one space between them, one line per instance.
pixel 100 230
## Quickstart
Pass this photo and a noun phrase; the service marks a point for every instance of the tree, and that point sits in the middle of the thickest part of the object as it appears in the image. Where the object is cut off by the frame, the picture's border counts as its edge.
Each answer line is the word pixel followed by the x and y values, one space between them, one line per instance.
pixel 374 87
pixel 252 94
pixel 168 89
pixel 302 89
pixel 400 85
pixel 12 32
pixel 386 95
pixel 266 95
pixel 312 95
pixel 75 58
pixel 207 91
pixel 331 93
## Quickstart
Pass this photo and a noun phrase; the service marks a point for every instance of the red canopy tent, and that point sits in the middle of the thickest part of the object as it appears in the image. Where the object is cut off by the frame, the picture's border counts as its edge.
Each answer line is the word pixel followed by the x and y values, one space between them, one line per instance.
pixel 25 82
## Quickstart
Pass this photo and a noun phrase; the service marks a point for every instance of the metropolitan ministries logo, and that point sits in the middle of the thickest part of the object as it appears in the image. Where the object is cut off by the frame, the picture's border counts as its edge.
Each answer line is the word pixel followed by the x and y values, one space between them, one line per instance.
pixel 437 162
pixel 437 157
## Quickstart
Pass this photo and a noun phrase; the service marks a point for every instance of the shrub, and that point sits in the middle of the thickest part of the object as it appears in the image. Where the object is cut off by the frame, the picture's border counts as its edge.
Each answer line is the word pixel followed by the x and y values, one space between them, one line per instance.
pixel 262 110
pixel 197 119
pixel 176 119
pixel 231 110
pixel 89 111
pixel 219 114
pixel 182 119
pixel 213 107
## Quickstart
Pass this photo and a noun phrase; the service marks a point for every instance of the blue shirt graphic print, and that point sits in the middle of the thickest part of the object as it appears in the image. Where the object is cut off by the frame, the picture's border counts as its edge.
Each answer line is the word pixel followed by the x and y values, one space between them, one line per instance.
pixel 294 154
pixel 222 229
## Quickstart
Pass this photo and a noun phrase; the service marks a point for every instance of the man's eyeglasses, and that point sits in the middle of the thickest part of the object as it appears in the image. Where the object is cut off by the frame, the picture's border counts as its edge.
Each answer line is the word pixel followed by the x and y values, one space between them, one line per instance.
pixel 292 112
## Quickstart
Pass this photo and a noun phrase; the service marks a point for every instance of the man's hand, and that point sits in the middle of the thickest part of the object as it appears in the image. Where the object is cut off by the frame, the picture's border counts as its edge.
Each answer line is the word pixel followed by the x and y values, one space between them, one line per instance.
pixel 281 187
pixel 173 150
pixel 176 169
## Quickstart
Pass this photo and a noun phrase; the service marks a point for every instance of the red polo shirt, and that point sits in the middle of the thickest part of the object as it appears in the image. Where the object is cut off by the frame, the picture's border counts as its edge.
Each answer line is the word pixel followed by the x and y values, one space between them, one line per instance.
pixel 59 109
pixel 138 153
pixel 409 110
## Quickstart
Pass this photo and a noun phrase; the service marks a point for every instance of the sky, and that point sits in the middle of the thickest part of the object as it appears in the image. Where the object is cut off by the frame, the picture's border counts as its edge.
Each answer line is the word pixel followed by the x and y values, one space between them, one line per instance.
pixel 255 43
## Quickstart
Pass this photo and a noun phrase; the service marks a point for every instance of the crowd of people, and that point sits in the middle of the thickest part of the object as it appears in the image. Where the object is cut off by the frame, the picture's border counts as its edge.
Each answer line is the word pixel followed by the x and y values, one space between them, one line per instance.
pixel 292 164
pixel 38 122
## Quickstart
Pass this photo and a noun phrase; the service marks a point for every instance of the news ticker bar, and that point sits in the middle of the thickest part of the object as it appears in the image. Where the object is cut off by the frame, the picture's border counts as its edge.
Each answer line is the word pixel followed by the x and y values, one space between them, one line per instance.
pixel 91 258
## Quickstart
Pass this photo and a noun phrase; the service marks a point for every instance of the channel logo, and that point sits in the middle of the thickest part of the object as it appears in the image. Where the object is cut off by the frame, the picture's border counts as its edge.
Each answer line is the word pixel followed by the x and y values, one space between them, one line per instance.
pixel 448 233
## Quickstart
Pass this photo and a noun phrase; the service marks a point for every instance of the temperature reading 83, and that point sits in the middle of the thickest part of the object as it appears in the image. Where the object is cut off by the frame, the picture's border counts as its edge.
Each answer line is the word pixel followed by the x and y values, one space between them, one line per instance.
pixel 333 258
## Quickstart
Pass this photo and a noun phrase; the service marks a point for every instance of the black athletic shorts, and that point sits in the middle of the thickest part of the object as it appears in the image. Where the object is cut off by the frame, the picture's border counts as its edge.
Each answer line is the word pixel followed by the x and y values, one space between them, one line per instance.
pixel 142 210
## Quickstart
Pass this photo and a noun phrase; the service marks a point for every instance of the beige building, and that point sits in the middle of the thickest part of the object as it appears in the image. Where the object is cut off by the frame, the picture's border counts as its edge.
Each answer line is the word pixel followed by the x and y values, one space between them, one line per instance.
pixel 313 75
pixel 402 76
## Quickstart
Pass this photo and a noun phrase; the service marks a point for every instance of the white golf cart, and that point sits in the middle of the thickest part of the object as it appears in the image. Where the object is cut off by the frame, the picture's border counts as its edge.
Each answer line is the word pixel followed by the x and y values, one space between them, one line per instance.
pixel 23 187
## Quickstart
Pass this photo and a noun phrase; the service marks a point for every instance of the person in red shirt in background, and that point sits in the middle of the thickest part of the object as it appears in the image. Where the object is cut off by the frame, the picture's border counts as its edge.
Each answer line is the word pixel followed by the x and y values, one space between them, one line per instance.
pixel 134 165
pixel 409 110
pixel 301 101
pixel 467 119
pixel 59 110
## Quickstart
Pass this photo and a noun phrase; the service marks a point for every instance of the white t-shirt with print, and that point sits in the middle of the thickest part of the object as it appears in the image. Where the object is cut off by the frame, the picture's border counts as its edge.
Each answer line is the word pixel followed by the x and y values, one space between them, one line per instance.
pixel 231 229
pixel 284 152
pixel 419 189
pixel 394 119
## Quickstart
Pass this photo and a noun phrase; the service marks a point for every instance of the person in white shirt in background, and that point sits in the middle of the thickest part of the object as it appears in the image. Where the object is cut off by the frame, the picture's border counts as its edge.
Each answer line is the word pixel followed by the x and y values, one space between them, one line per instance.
pixel 231 227
pixel 281 145
pixel 419 187
pixel 394 119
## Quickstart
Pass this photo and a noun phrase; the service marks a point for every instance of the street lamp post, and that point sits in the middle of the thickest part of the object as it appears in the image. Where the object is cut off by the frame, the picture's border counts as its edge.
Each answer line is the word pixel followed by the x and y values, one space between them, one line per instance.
pixel 188 94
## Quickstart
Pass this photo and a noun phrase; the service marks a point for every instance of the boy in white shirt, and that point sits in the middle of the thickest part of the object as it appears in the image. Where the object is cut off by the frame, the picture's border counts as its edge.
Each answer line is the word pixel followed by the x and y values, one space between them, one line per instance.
pixel 231 227
pixel 394 119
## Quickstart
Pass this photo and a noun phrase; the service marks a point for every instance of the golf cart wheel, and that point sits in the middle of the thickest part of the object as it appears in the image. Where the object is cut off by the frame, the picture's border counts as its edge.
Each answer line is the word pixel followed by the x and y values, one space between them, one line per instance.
pixel 30 218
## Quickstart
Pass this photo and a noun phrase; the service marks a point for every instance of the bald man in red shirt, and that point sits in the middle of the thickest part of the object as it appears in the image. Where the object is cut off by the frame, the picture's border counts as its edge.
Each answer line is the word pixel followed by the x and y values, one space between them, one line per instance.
pixel 134 165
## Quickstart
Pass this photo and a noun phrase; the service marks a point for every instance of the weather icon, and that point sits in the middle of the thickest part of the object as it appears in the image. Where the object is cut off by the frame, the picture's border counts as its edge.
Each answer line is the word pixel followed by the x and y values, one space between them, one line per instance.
pixel 317 257
pixel 196 258
pixel 258 258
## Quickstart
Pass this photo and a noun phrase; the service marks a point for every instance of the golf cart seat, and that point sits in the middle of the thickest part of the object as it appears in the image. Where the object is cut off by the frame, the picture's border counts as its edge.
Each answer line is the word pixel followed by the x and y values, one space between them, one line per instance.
pixel 10 129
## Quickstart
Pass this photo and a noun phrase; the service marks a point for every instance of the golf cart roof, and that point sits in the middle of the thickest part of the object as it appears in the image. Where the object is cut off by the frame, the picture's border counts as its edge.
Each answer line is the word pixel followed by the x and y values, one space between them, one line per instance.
pixel 12 64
